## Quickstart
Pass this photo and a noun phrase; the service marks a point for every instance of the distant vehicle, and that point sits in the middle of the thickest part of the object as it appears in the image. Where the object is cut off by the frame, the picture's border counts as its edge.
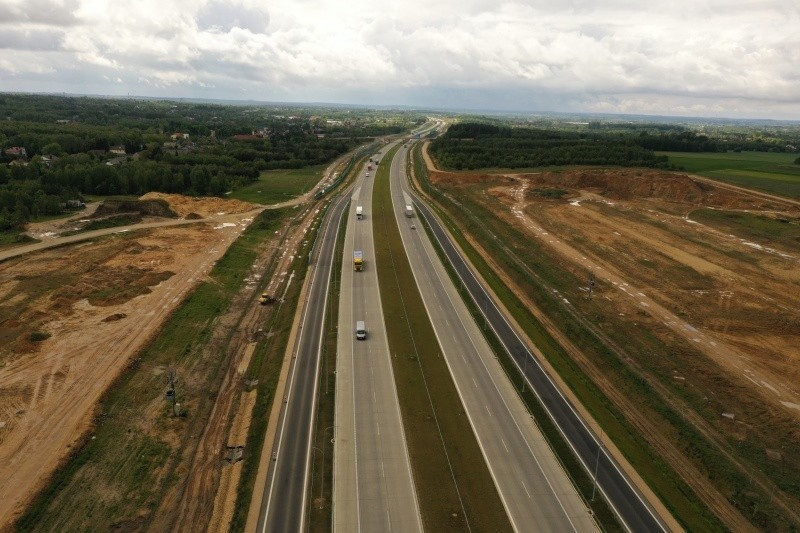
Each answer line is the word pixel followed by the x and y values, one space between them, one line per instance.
pixel 367 174
pixel 265 298
pixel 359 212
pixel 361 330
pixel 369 167
pixel 413 226
pixel 409 211
pixel 358 260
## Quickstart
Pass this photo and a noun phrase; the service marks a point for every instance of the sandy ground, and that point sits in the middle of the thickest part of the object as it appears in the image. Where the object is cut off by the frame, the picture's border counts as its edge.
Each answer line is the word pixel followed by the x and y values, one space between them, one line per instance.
pixel 657 269
pixel 48 389
pixel 738 313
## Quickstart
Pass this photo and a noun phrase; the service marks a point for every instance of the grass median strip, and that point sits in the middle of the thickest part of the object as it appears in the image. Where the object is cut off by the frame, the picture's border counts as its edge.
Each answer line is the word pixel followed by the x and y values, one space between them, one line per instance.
pixel 454 487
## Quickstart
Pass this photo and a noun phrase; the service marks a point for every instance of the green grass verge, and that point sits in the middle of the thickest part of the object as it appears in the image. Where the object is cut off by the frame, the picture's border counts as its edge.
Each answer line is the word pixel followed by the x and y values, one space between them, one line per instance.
pixel 437 429
pixel 115 477
pixel 676 495
pixel 771 172
pixel 274 186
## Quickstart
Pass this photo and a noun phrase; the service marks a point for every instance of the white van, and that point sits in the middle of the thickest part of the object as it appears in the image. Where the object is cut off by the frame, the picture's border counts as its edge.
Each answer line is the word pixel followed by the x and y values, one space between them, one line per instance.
pixel 361 330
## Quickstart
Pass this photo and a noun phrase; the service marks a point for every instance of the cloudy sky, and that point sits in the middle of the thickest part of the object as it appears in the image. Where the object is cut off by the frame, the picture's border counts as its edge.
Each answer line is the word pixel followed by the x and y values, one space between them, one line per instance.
pixel 732 58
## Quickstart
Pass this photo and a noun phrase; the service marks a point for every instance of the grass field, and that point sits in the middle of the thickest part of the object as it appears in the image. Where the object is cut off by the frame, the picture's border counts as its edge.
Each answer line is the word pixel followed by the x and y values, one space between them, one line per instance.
pixel 771 172
pixel 9 239
pixel 749 225
pixel 441 444
pixel 275 186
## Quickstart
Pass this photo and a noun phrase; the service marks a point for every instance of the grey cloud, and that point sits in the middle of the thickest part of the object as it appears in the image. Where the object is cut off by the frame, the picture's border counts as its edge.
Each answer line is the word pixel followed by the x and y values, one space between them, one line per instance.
pixel 48 12
pixel 221 16
pixel 31 39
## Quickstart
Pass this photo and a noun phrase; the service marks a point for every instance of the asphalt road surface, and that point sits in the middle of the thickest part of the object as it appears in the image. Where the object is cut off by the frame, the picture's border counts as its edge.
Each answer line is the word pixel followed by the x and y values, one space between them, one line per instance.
pixel 535 490
pixel 628 504
pixel 283 505
pixel 373 487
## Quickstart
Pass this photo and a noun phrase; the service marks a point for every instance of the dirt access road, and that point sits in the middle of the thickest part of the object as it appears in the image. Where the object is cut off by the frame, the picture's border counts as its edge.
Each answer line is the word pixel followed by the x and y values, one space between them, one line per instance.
pixel 93 305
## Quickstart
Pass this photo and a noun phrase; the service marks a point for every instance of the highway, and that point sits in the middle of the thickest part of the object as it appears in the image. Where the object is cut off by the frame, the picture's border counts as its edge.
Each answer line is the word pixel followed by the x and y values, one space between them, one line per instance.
pixel 283 505
pixel 531 483
pixel 373 487
pixel 628 504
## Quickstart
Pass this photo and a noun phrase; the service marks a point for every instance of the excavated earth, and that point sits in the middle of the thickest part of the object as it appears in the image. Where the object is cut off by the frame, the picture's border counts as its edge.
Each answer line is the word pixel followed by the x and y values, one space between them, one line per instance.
pixel 688 261
pixel 71 319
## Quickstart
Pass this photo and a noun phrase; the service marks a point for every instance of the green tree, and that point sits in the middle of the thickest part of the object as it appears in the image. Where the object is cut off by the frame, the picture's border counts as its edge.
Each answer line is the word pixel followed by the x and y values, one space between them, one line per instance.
pixel 52 149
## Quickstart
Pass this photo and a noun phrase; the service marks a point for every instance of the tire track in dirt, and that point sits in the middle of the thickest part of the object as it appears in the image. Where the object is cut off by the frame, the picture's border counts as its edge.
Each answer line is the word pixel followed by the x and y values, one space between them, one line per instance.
pixel 43 435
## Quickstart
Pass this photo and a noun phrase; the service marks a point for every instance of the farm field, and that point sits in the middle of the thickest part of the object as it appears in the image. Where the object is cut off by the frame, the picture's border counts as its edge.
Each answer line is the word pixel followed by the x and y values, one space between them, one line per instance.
pixel 275 186
pixel 771 172
pixel 694 307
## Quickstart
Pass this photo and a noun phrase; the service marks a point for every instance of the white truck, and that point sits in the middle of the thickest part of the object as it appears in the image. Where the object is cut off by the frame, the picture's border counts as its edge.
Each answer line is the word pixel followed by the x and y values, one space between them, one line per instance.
pixel 359 212
pixel 409 211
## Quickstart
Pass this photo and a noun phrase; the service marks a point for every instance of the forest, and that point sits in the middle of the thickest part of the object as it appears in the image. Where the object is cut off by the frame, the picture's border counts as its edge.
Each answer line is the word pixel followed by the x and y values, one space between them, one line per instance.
pixel 56 149
pixel 475 145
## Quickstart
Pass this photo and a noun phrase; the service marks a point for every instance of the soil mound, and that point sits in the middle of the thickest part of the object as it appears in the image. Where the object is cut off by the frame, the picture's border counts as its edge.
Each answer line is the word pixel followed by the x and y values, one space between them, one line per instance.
pixel 146 207
pixel 204 206
pixel 627 184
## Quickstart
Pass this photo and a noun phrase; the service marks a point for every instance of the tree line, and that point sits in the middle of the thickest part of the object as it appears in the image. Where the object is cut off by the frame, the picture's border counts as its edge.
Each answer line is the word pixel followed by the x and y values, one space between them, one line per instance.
pixel 475 145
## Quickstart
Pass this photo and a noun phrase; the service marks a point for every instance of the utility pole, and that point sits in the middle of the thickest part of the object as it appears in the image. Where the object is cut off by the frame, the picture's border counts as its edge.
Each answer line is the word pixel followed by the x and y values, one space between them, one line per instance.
pixel 171 391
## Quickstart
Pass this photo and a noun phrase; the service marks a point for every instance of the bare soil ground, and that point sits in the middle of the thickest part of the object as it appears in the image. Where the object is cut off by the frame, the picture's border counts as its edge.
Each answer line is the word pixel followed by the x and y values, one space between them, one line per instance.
pixel 736 300
pixel 662 266
pixel 72 317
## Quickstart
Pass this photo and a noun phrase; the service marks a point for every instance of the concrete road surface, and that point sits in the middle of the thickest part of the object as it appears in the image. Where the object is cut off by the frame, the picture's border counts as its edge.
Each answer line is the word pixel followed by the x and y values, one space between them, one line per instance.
pixel 373 487
pixel 535 490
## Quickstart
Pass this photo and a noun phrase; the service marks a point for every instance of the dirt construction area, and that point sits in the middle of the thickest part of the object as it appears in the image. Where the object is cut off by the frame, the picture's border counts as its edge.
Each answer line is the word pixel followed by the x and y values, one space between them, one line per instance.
pixel 710 273
pixel 73 316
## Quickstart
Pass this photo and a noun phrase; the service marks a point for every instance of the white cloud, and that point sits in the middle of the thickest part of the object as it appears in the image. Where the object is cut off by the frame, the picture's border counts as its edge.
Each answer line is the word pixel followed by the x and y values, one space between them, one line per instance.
pixel 683 57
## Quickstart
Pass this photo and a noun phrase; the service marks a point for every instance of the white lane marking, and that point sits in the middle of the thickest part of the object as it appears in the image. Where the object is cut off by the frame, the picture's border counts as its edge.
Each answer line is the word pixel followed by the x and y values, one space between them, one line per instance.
pixel 504 444
pixel 526 489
